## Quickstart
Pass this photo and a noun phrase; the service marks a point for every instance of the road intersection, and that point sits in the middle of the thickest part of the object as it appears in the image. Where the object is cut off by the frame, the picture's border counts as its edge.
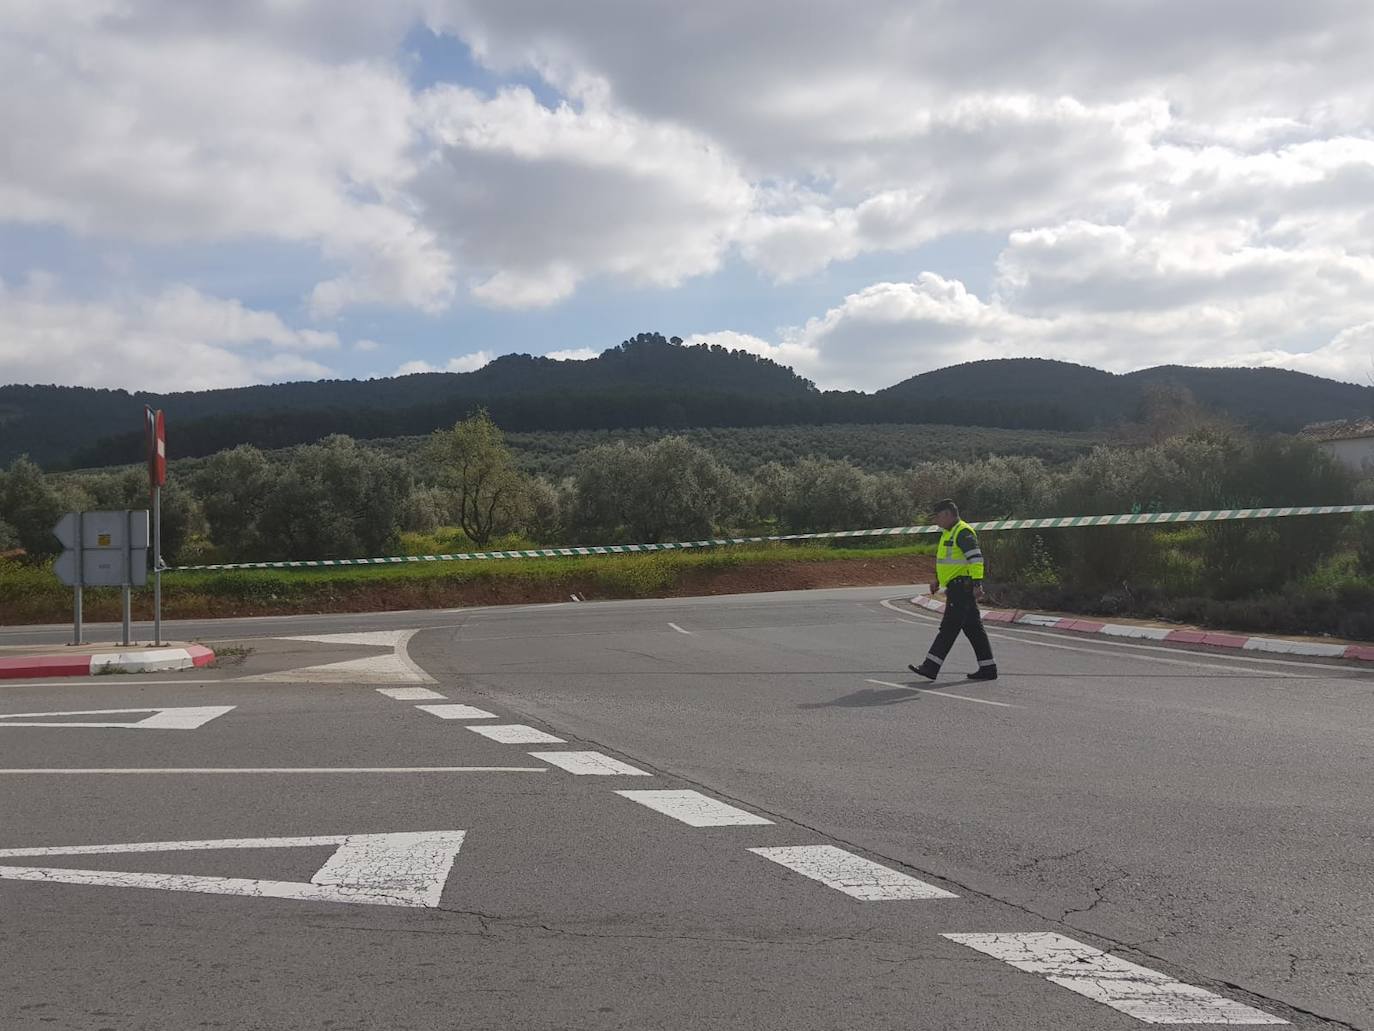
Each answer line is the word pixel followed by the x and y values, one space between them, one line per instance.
pixel 691 813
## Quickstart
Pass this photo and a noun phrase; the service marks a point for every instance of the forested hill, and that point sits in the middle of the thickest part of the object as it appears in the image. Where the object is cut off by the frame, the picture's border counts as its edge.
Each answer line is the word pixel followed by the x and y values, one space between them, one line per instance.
pixel 648 381
pixel 1263 399
pixel 62 425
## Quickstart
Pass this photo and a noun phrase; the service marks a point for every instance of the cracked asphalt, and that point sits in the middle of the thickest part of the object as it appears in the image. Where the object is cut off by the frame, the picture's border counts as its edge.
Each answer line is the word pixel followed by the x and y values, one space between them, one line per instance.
pixel 1203 815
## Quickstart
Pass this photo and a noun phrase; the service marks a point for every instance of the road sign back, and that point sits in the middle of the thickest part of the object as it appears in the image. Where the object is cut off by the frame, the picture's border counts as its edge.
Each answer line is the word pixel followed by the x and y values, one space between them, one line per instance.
pixel 67 529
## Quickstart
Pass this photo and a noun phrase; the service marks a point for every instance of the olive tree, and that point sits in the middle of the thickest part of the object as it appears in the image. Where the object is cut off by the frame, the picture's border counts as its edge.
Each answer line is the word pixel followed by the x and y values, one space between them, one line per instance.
pixel 474 464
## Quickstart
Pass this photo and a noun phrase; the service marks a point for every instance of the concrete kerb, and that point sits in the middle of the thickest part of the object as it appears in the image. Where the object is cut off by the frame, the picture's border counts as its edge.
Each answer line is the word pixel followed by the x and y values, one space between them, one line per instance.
pixel 107 660
pixel 1207 638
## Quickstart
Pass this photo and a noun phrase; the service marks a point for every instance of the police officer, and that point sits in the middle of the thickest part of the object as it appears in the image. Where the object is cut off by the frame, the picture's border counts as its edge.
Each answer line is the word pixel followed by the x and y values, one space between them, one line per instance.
pixel 959 567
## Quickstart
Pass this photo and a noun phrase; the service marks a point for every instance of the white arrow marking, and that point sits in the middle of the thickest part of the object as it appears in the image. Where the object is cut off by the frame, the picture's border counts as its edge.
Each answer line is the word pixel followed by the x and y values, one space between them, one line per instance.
pixel 396 668
pixel 407 869
pixel 375 669
pixel 372 638
pixel 184 718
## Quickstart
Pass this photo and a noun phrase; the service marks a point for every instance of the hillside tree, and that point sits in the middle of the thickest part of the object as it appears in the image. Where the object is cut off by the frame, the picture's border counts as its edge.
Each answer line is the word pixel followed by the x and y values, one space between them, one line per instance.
pixel 474 464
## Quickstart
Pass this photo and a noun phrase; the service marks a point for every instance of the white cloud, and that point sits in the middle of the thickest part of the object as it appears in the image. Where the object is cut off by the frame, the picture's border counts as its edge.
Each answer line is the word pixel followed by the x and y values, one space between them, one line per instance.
pixel 179 339
pixel 412 368
pixel 576 354
pixel 366 346
pixel 1079 304
pixel 462 363
pixel 537 200
pixel 1349 357
pixel 1173 182
pixel 169 123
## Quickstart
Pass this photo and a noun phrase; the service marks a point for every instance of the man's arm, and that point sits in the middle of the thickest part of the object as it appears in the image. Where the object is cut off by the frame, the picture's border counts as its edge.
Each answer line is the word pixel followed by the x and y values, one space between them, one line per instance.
pixel 968 544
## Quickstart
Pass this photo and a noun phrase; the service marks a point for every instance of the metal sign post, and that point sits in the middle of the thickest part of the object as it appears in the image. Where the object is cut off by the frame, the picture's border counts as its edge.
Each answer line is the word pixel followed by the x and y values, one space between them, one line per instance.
pixel 157 565
pixel 76 616
pixel 155 433
pixel 125 590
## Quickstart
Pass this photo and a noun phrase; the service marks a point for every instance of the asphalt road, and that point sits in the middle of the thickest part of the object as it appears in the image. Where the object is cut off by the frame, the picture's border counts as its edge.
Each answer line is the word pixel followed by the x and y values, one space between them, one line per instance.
pixel 1120 833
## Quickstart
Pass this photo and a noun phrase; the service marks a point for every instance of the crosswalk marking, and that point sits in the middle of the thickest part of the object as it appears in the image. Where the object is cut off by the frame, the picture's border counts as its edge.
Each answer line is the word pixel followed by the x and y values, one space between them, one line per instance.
pixel 457 712
pixel 409 694
pixel 590 763
pixel 855 876
pixel 693 808
pixel 516 734
pixel 1136 991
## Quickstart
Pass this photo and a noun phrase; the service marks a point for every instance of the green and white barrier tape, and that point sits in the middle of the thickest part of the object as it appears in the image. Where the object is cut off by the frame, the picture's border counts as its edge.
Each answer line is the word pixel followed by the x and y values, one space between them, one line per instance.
pixel 1053 523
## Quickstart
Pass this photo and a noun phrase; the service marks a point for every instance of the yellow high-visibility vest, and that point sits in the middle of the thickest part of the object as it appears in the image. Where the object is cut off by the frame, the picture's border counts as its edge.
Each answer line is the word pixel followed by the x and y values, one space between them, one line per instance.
pixel 952 562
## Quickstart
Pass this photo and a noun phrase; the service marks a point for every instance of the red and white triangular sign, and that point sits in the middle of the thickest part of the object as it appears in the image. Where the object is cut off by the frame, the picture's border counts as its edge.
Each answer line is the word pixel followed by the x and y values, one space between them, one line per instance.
pixel 406 869
pixel 186 717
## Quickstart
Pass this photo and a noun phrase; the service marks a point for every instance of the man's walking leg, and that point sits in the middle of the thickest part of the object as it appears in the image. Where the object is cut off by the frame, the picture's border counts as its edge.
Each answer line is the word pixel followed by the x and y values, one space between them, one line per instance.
pixel 978 637
pixel 950 625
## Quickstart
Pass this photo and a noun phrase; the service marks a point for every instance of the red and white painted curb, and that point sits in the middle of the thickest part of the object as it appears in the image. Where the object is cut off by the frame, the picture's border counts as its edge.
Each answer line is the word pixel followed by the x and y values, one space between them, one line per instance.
pixel 144 660
pixel 1209 638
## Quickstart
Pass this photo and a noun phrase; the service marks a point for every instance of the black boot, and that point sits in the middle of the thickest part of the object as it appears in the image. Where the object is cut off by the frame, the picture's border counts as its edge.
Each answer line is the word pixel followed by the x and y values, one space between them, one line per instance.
pixel 984 673
pixel 926 669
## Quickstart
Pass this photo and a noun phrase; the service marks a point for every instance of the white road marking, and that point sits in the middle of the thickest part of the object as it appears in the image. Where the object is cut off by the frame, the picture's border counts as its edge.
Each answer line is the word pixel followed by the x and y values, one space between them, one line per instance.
pixel 516 734
pixel 944 694
pixel 407 869
pixel 1022 633
pixel 457 712
pixel 1134 990
pixel 40 771
pixel 409 694
pixel 855 876
pixel 187 717
pixel 694 809
pixel 375 638
pixel 680 630
pixel 374 669
pixel 590 763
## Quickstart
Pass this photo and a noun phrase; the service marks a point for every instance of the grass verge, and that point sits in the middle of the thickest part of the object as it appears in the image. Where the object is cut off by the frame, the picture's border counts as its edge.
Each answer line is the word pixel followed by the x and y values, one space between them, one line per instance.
pixel 31 594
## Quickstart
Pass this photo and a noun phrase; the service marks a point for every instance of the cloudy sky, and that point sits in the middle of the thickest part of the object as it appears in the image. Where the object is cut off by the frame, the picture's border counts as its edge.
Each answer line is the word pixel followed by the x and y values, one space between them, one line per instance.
pixel 196 193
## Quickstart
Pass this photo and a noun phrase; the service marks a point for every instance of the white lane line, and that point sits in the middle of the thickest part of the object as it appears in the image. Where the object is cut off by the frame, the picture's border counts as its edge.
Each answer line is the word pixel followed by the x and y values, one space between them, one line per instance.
pixel 457 712
pixel 944 694
pixel 1136 991
pixel 40 771
pixel 1022 637
pixel 516 734
pixel 680 630
pixel 694 809
pixel 409 694
pixel 590 764
pixel 1022 633
pixel 855 876
pixel 408 869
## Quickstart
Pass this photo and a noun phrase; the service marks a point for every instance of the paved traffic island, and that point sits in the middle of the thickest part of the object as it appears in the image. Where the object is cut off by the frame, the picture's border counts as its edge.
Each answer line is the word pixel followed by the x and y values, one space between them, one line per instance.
pixel 22 663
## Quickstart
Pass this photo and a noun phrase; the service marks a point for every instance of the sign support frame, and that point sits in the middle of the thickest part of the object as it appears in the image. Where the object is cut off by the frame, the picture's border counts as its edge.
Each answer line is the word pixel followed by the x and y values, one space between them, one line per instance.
pixel 157 565
pixel 126 589
pixel 76 588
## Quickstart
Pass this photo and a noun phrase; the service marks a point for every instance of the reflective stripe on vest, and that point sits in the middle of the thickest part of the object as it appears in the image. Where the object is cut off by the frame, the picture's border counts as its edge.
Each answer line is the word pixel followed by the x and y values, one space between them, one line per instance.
pixel 951 562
